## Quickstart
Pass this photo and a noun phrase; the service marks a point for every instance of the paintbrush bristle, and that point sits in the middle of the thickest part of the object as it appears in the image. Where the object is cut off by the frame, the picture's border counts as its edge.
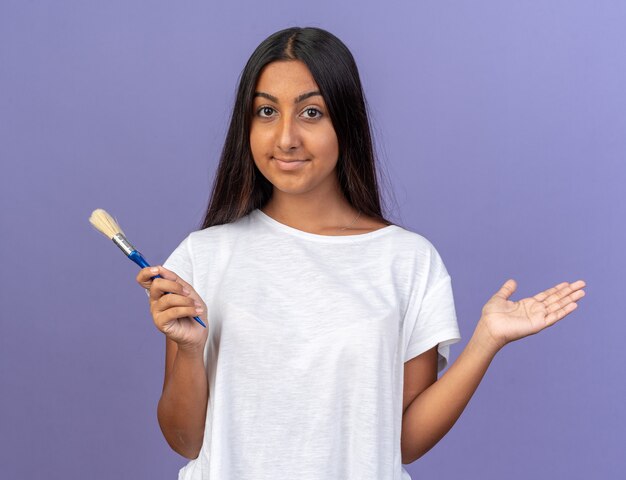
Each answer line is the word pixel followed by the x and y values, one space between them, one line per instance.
pixel 104 223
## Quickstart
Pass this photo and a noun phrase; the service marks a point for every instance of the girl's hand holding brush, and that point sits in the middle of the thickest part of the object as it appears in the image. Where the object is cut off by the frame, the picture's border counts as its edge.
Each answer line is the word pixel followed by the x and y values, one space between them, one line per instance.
pixel 108 226
pixel 173 313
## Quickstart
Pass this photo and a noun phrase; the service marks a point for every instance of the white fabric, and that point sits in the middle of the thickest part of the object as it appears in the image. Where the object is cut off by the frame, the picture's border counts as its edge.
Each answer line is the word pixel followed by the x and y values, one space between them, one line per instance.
pixel 308 335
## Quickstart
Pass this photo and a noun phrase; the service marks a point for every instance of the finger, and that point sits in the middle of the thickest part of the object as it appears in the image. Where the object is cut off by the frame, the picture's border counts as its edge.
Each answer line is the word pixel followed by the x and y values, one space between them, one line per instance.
pixel 559 293
pixel 163 318
pixel 540 297
pixel 144 277
pixel 565 301
pixel 578 284
pixel 162 286
pixel 566 289
pixel 557 315
pixel 175 300
pixel 507 289
pixel 558 290
pixel 171 305
pixel 171 275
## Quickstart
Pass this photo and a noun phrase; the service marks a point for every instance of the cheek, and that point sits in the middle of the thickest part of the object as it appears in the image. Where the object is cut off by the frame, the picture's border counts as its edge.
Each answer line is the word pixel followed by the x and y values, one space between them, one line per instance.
pixel 260 143
pixel 328 145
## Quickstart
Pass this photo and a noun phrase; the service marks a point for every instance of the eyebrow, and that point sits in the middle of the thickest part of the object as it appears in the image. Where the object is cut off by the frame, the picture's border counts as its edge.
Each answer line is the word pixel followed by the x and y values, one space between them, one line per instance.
pixel 298 99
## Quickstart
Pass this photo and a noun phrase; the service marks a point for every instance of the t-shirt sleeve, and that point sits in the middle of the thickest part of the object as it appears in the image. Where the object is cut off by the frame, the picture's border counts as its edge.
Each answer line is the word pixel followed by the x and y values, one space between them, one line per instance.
pixel 432 320
pixel 180 261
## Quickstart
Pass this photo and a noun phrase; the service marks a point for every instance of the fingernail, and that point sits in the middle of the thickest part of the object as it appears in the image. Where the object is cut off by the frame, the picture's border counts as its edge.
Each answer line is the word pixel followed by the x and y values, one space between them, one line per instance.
pixel 154 270
pixel 185 291
pixel 197 303
pixel 199 310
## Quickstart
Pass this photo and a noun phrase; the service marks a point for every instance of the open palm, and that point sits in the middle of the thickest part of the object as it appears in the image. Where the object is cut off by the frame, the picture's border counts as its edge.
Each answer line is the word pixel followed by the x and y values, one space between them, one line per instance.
pixel 507 320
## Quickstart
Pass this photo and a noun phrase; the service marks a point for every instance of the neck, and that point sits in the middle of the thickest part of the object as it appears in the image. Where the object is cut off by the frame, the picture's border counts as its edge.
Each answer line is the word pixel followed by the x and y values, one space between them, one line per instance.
pixel 322 213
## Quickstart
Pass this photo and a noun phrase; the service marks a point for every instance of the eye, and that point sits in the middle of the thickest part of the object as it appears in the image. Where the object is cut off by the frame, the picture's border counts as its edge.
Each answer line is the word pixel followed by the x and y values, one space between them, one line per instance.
pixel 311 109
pixel 264 109
pixel 311 113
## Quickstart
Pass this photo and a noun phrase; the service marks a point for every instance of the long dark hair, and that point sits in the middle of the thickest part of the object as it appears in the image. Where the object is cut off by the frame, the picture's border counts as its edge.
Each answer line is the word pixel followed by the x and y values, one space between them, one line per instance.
pixel 239 187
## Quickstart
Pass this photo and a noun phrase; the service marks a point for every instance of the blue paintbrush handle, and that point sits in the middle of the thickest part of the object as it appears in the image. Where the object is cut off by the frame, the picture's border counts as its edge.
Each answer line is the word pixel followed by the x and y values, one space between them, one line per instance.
pixel 136 257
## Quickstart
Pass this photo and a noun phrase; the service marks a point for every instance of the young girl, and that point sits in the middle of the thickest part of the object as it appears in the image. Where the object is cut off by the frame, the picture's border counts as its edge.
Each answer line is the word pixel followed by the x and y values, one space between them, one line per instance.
pixel 327 325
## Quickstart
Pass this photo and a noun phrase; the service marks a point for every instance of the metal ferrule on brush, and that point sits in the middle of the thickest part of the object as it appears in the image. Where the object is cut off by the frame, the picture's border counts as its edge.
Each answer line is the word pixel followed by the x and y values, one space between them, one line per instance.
pixel 120 240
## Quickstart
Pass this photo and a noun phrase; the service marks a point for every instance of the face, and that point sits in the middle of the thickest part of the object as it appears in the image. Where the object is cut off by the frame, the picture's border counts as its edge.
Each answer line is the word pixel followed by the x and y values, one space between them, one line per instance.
pixel 290 122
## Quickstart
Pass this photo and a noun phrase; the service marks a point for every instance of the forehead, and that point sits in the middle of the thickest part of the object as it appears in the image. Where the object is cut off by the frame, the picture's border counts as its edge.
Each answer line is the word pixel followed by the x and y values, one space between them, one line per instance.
pixel 289 77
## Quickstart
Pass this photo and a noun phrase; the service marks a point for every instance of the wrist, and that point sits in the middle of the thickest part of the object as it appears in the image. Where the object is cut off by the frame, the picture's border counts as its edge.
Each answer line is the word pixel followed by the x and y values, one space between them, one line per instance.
pixel 190 350
pixel 484 339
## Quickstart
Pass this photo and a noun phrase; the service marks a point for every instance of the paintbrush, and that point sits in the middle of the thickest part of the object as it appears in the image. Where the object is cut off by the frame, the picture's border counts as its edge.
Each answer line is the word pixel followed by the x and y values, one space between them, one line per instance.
pixel 106 225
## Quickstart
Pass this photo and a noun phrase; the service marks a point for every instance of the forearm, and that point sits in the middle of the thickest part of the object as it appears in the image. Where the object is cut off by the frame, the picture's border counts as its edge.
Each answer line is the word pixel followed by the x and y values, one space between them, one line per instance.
pixel 433 412
pixel 182 407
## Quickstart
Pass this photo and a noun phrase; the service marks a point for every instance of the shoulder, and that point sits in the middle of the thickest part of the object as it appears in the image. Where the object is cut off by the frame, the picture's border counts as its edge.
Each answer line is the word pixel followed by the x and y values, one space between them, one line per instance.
pixel 219 232
pixel 414 252
pixel 219 239
pixel 411 241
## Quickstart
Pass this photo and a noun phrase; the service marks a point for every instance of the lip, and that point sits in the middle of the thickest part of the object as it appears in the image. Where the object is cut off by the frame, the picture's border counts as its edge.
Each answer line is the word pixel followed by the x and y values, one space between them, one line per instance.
pixel 289 161
pixel 289 164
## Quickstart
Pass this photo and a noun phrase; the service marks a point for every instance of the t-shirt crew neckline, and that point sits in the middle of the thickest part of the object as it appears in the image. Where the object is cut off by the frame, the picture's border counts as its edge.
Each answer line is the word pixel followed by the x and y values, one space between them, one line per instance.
pixel 322 238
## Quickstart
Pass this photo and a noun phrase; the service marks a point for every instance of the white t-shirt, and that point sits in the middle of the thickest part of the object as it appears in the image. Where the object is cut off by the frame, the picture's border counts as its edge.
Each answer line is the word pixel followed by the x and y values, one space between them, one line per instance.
pixel 308 335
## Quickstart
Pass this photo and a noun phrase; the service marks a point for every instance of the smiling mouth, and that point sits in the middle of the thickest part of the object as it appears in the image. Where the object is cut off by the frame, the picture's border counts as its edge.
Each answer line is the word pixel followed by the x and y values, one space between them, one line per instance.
pixel 289 161
pixel 289 164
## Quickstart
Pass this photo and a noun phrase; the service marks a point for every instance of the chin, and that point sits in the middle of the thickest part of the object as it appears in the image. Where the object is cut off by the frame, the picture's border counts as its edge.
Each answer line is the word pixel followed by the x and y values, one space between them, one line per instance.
pixel 291 188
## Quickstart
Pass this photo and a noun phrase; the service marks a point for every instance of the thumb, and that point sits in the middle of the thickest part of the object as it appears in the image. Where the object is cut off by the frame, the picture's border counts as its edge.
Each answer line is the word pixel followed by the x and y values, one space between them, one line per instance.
pixel 507 289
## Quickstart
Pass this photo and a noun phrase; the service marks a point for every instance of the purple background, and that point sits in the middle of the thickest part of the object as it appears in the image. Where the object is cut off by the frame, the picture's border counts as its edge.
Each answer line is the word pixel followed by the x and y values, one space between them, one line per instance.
pixel 501 127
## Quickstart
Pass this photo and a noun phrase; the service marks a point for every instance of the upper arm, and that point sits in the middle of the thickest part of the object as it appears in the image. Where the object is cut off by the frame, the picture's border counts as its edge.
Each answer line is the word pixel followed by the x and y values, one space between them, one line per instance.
pixel 419 373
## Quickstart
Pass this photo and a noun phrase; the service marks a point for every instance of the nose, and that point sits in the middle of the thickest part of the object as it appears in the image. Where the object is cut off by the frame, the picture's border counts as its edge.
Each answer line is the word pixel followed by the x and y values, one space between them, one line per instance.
pixel 288 136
